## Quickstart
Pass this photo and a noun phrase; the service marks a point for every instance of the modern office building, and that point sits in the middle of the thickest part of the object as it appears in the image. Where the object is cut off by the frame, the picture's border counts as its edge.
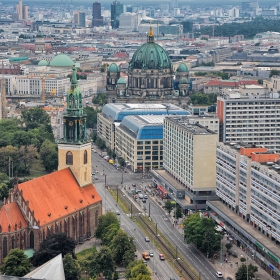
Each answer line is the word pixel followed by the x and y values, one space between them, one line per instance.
pixel 82 19
pixel 248 185
pixel 116 11
pixel 139 141
pixel 250 118
pixel 189 150
pixel 97 19
pixel 113 113
pixel 21 11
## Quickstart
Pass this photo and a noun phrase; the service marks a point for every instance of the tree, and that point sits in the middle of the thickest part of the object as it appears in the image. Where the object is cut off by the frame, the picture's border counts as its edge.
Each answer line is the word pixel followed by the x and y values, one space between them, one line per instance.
pixel 178 212
pixel 16 264
pixel 91 116
pixel 202 233
pixel 27 156
pixel 135 268
pixel 6 153
pixel 72 268
pixel 52 246
pixel 168 206
pixel 121 161
pixel 109 234
pixel 123 248
pixel 100 99
pixel 273 72
pixel 49 155
pixel 33 118
pixel 4 190
pixel 104 222
pixel 102 263
pixel 241 273
pixel 228 246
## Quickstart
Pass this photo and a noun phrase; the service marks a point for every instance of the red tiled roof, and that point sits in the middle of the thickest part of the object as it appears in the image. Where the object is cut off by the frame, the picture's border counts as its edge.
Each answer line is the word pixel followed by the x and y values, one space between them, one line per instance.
pixel 10 214
pixel 215 83
pixel 57 194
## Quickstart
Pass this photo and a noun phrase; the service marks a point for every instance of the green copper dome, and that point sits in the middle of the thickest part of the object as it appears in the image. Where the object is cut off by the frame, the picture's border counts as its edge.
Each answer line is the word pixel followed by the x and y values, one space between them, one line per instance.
pixel 43 63
pixel 184 81
pixel 150 56
pixel 113 68
pixel 182 68
pixel 62 60
pixel 121 81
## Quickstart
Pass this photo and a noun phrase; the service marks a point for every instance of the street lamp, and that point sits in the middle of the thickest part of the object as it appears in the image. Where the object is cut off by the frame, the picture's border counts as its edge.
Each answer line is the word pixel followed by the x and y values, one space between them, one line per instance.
pixel 177 259
pixel 156 235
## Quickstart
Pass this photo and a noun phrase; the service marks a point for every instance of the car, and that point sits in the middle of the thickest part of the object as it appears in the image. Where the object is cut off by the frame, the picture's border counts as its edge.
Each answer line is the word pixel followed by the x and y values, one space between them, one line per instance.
pixel 144 200
pixel 151 254
pixel 145 196
pixel 219 274
pixel 141 196
pixel 161 257
pixel 134 185
pixel 95 178
pixel 118 212
pixel 92 173
pixel 229 278
pixel 147 239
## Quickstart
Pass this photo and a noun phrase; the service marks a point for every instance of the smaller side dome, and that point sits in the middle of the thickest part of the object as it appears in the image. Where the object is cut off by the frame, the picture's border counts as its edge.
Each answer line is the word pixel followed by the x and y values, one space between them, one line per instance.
pixel 184 81
pixel 113 68
pixel 182 68
pixel 121 81
pixel 43 63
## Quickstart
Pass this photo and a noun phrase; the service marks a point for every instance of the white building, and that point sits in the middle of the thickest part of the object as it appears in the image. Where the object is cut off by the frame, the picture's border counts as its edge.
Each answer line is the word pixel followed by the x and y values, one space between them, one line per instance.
pixel 130 21
pixel 250 118
pixel 248 185
pixel 233 12
pixel 188 150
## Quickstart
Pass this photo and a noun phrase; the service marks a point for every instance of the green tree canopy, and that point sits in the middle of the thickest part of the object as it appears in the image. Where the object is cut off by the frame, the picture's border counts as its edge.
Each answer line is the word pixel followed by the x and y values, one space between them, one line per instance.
pixel 241 273
pixel 168 206
pixel 123 248
pixel 135 268
pixel 102 263
pixel 49 155
pixel 203 99
pixel 100 99
pixel 202 233
pixel 16 264
pixel 72 268
pixel 33 118
pixel 91 116
pixel 52 246
pixel 104 222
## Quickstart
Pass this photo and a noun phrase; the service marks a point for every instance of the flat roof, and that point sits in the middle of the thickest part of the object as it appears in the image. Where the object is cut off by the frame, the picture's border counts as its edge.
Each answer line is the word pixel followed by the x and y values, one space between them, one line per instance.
pixel 190 125
pixel 238 221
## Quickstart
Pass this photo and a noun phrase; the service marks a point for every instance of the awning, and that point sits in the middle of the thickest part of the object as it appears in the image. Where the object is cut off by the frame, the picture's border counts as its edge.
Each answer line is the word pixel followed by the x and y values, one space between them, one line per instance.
pixel 162 189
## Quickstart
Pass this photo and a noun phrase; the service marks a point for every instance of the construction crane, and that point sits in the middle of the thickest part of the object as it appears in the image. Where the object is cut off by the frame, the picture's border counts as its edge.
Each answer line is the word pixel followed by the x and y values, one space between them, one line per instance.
pixel 43 87
pixel 3 111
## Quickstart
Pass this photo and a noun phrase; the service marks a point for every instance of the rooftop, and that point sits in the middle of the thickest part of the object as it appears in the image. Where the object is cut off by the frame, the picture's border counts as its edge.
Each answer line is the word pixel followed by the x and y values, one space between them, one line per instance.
pixel 190 125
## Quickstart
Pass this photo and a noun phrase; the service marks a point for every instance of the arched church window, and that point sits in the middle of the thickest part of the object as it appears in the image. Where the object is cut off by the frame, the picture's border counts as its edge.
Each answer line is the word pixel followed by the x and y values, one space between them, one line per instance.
pixel 85 157
pixel 69 158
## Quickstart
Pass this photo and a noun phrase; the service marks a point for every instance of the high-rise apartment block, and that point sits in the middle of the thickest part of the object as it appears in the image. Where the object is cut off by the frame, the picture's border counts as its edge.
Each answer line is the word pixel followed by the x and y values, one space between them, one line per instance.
pixel 79 18
pixel 250 118
pixel 248 185
pixel 116 11
pixel 97 19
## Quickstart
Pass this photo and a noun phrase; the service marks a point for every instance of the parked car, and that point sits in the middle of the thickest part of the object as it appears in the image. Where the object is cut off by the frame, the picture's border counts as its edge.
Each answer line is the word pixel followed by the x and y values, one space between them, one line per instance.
pixel 161 257
pixel 219 274
pixel 145 196
pixel 95 178
pixel 134 185
pixel 145 255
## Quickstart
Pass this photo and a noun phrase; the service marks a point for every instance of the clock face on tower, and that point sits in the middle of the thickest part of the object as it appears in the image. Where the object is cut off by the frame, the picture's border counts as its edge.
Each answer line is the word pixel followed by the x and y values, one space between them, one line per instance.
pixel 70 123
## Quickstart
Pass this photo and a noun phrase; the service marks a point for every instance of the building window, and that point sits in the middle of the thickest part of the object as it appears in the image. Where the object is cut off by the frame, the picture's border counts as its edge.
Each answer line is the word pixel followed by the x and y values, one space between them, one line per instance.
pixel 85 157
pixel 69 158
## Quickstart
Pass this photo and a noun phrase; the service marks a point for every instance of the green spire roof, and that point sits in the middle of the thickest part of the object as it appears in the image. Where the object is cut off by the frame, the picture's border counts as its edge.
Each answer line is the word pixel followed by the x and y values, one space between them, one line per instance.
pixel 74 80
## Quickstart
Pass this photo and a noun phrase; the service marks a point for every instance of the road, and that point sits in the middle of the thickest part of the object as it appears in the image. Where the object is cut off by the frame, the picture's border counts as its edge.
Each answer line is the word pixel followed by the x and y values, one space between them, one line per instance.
pixel 158 215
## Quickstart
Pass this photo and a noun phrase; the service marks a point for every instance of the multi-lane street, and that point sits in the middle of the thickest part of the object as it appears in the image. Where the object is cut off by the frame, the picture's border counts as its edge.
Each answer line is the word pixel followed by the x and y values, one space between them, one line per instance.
pixel 158 215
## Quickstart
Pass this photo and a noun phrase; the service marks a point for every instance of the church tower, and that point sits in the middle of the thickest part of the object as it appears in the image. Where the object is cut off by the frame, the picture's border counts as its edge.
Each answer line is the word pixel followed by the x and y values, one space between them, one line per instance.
pixel 74 150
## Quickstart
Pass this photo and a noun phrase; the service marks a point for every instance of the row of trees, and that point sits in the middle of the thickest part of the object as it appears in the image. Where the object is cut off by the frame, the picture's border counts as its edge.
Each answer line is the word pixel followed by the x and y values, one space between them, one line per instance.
pixel 249 28
pixel 203 99
pixel 218 74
